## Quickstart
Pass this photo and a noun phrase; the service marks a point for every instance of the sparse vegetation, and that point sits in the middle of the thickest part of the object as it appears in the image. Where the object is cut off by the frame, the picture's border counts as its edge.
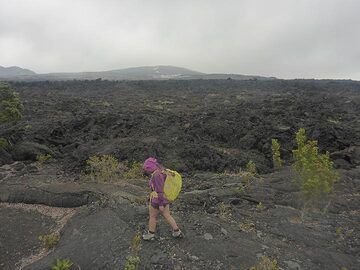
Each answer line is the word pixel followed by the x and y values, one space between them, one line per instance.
pixel 275 148
pixel 135 171
pixel 50 240
pixel 43 158
pixel 26 128
pixel 265 263
pixel 250 174
pixel 11 108
pixel 103 168
pixel 316 175
pixel 247 226
pixel 133 260
pixel 338 231
pixel 251 168
pixel 63 264
pixel 136 243
pixel 260 206
pixel 241 190
pixel 224 210
pixel 107 168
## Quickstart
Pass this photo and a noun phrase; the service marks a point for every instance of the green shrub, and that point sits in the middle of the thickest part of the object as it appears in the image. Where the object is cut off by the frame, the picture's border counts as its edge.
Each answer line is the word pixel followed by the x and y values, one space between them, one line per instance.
pixel 4 143
pixel 275 148
pixel 316 175
pixel 135 171
pixel 63 264
pixel 50 240
pixel 11 108
pixel 266 263
pixel 104 168
pixel 43 158
pixel 251 167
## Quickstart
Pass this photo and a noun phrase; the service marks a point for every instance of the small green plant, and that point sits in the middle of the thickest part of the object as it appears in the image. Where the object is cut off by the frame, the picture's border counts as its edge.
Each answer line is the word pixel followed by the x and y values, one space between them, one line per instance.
pixel 49 240
pixel 338 231
pixel 251 167
pixel 249 175
pixel 316 175
pixel 247 226
pixel 4 143
pixel 136 243
pixel 275 148
pixel 132 262
pixel 26 128
pixel 43 158
pixel 224 210
pixel 135 171
pixel 241 190
pixel 11 108
pixel 260 206
pixel 103 168
pixel 63 264
pixel 266 263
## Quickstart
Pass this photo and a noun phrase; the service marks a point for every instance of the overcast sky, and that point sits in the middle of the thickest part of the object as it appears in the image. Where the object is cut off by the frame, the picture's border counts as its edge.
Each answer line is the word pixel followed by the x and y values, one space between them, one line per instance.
pixel 282 38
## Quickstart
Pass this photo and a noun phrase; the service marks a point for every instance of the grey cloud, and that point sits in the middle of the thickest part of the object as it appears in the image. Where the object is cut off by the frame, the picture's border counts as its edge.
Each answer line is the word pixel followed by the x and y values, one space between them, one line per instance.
pixel 282 38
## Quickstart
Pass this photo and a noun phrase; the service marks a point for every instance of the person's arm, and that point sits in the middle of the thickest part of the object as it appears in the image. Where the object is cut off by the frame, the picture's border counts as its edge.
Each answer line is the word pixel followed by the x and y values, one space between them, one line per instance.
pixel 159 180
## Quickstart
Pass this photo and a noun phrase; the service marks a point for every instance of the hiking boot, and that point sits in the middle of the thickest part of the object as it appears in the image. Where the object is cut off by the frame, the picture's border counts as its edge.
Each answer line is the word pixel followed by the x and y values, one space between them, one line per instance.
pixel 177 234
pixel 148 236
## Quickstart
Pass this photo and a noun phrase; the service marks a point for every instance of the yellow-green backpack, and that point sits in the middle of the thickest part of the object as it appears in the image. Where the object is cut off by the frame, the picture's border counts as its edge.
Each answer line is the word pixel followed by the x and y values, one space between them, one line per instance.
pixel 172 185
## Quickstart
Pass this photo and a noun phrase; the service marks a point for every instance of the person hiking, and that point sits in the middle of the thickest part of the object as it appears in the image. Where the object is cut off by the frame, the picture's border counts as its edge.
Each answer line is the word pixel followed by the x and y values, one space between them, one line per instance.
pixel 158 202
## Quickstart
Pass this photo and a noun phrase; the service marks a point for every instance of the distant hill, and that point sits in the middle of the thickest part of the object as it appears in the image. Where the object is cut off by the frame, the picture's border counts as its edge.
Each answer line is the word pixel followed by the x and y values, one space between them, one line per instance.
pixel 9 72
pixel 134 73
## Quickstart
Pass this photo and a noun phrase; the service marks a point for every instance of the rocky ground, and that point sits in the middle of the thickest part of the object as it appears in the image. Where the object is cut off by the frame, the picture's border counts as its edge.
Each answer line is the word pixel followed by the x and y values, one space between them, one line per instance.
pixel 224 228
pixel 202 128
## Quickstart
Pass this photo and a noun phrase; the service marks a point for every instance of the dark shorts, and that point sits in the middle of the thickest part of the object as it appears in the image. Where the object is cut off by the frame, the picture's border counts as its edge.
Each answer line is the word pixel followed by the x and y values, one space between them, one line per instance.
pixel 156 206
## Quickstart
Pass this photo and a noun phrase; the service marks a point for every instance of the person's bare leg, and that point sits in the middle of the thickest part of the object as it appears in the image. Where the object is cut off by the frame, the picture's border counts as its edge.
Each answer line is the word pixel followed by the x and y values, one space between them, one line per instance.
pixel 153 213
pixel 166 214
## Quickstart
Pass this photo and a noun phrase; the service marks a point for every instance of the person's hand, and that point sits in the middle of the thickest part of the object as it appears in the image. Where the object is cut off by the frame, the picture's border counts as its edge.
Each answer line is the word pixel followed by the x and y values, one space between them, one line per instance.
pixel 161 209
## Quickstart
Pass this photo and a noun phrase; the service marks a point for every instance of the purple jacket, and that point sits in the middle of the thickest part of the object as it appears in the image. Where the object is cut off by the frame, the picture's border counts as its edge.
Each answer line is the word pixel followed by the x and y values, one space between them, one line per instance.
pixel 156 183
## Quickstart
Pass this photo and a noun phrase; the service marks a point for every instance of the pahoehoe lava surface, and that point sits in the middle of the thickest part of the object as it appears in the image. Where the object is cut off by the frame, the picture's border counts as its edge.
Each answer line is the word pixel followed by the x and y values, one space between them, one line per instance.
pixel 212 125
pixel 201 128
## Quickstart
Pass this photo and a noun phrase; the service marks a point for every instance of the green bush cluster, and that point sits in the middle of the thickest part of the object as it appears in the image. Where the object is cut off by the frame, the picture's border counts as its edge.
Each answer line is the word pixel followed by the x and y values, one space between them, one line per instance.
pixel 103 168
pixel 316 175
pixel 107 168
pixel 134 171
pixel 11 108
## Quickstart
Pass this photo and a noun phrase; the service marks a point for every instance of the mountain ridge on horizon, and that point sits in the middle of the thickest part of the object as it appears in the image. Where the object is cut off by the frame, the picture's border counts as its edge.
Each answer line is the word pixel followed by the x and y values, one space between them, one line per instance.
pixel 159 72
